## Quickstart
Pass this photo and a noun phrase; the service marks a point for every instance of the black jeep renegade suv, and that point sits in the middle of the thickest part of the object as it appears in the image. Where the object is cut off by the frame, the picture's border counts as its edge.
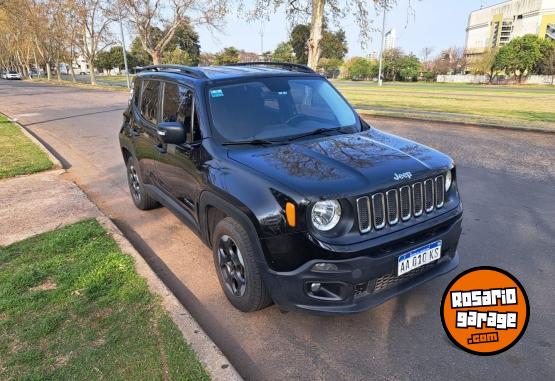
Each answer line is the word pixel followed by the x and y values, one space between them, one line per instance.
pixel 302 202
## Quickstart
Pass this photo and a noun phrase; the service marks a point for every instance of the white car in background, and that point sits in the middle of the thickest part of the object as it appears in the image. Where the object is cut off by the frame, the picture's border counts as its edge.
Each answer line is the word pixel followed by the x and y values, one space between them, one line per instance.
pixel 13 75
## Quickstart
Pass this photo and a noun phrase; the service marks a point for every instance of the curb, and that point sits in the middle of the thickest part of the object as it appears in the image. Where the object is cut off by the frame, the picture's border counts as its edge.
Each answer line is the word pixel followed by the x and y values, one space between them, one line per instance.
pixel 56 163
pixel 368 113
pixel 215 362
pixel 79 85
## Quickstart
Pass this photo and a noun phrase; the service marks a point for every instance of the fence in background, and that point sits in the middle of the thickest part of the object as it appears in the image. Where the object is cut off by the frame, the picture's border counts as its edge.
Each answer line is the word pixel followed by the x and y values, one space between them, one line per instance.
pixel 498 80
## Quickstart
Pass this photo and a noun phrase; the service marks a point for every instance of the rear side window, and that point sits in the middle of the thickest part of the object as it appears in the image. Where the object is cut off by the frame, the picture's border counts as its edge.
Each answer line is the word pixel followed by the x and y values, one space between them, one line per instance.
pixel 178 107
pixel 149 100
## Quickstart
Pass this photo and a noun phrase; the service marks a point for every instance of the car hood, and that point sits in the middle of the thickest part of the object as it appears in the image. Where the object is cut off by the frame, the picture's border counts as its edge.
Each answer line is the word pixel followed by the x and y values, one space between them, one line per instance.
pixel 343 165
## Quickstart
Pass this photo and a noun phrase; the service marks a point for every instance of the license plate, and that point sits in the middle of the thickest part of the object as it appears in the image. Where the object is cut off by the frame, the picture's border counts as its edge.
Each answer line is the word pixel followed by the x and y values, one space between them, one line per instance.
pixel 418 257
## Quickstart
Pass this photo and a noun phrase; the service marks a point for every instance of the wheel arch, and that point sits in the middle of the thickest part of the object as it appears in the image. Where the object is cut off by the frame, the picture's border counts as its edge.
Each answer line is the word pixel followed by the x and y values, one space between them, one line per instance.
pixel 213 208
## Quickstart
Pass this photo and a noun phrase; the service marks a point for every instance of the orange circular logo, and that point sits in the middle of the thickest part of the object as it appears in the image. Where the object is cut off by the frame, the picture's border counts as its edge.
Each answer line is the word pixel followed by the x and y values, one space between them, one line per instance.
pixel 485 310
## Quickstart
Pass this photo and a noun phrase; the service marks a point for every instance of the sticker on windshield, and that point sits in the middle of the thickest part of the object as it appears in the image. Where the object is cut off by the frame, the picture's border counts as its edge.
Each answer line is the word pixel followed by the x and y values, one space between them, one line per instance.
pixel 216 93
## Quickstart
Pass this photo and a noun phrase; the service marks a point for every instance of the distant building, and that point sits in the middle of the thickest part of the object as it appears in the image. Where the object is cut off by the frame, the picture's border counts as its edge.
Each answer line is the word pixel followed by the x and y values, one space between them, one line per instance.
pixel 496 25
pixel 389 40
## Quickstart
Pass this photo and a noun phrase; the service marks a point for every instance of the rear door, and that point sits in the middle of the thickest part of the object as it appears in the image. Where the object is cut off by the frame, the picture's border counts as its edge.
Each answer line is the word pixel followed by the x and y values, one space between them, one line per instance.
pixel 178 169
pixel 147 143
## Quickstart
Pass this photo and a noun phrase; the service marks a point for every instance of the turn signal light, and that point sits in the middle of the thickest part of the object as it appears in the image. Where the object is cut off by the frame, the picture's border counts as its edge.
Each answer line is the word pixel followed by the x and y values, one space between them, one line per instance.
pixel 290 214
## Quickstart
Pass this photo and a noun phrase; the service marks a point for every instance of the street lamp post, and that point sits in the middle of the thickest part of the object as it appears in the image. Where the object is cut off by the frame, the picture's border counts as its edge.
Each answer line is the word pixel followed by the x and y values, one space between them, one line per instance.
pixel 380 82
pixel 124 51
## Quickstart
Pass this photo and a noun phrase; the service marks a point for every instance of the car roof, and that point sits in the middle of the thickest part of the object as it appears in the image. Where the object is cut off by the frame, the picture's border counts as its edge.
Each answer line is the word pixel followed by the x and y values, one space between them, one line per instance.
pixel 246 70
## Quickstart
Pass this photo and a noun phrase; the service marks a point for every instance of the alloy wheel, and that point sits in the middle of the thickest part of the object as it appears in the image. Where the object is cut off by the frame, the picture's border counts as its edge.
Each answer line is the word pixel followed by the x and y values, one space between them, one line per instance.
pixel 232 266
pixel 134 183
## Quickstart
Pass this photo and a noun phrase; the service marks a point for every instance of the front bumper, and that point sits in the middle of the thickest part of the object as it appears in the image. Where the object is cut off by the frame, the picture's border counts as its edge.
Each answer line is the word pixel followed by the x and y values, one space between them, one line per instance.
pixel 364 281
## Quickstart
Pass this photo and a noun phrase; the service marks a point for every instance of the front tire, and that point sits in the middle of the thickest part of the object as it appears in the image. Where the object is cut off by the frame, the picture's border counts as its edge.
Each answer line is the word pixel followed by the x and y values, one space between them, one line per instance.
pixel 238 273
pixel 140 196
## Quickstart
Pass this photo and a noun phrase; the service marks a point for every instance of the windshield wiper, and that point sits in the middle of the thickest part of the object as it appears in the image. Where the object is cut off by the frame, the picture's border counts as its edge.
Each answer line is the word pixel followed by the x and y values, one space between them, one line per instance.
pixel 315 132
pixel 255 142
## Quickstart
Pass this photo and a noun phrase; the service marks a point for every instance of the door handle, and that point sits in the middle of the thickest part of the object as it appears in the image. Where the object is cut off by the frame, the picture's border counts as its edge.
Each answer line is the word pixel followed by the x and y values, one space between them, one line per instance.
pixel 160 148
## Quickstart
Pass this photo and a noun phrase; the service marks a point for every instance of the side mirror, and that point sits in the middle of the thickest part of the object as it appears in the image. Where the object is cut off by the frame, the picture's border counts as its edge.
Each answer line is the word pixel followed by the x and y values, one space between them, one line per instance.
pixel 171 132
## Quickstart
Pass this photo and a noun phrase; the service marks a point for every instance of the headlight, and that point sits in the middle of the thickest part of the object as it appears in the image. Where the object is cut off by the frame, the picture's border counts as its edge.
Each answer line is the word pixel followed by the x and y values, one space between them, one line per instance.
pixel 448 180
pixel 326 215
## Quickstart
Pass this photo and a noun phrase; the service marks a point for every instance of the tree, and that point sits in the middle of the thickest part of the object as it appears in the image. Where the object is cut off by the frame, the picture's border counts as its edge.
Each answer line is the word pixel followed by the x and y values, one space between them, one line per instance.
pixel 298 40
pixel 284 53
pixel 546 65
pixel 316 10
pixel 187 40
pixel 227 56
pixel 400 66
pixel 183 47
pixel 140 56
pixel 96 34
pixel 168 17
pixel 333 44
pixel 485 64
pixel 409 68
pixel 178 57
pixel 330 66
pixel 357 68
pixel 104 61
pixel 520 55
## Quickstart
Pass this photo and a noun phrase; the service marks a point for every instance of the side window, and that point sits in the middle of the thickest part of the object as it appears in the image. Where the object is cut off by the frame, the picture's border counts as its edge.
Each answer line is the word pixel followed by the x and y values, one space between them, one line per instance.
pixel 179 107
pixel 149 101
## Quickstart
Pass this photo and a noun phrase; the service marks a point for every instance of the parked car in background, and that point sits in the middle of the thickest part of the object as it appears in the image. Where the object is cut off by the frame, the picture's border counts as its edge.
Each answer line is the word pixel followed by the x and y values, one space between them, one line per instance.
pixel 13 75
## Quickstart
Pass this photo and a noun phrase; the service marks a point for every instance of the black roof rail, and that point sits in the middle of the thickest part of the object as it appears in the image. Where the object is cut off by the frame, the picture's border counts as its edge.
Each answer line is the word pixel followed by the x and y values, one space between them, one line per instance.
pixel 187 70
pixel 284 65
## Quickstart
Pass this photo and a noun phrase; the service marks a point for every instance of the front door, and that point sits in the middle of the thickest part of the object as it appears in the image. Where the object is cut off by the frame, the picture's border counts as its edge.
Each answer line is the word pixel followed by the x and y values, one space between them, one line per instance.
pixel 178 167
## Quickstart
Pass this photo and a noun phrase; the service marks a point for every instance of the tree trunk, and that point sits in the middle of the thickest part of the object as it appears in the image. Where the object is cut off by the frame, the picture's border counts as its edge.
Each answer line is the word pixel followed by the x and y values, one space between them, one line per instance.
pixel 91 68
pixel 58 72
pixel 316 27
pixel 48 71
pixel 36 63
pixel 72 70
pixel 156 57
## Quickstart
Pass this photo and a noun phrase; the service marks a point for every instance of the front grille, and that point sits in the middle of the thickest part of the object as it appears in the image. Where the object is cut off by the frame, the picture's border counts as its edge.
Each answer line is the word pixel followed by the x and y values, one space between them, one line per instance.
pixel 378 210
pixel 400 205
pixel 404 202
pixel 417 199
pixel 363 208
pixel 390 280
pixel 440 195
pixel 428 195
pixel 392 206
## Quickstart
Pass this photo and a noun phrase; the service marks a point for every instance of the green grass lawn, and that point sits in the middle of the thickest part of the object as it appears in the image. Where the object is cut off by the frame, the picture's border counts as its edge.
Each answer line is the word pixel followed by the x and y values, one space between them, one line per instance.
pixel 501 105
pixel 18 154
pixel 73 307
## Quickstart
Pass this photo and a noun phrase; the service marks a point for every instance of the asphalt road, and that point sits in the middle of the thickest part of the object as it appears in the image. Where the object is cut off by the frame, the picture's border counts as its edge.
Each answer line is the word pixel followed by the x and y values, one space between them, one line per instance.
pixel 507 181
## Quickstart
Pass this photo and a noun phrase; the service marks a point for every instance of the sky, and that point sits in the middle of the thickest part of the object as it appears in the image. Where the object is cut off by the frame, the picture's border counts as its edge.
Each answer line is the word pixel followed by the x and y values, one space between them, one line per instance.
pixel 431 23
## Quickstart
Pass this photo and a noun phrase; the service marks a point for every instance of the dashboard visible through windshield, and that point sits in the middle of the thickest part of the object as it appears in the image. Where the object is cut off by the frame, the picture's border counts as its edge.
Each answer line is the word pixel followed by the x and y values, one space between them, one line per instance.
pixel 276 108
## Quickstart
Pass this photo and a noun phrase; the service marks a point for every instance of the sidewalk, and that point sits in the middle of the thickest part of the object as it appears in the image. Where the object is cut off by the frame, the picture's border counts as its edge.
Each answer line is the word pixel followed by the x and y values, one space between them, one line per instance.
pixel 35 204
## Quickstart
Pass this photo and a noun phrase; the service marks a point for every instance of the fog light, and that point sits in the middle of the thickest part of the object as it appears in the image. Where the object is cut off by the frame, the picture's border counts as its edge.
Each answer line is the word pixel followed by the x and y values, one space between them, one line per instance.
pixel 315 287
pixel 322 266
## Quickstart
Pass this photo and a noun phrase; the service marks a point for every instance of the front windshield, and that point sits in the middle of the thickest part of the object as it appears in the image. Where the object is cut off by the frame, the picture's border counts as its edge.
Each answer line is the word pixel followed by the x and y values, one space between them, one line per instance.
pixel 277 107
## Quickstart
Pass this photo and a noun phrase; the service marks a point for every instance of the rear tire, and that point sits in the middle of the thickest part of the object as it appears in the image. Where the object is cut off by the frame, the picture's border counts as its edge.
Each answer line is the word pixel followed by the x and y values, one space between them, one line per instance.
pixel 140 196
pixel 236 266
